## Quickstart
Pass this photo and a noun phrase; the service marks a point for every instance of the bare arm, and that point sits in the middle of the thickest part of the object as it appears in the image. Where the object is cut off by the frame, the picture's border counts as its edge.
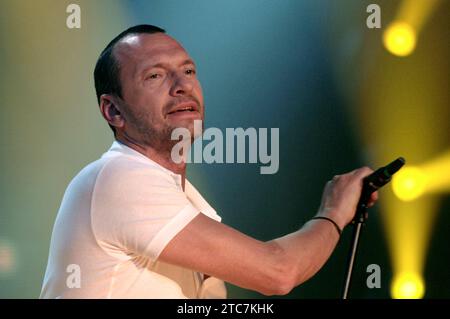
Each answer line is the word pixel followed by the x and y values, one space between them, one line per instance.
pixel 276 266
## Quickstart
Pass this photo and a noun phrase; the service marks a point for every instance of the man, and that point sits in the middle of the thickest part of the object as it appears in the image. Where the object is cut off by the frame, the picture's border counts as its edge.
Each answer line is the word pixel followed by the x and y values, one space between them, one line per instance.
pixel 132 226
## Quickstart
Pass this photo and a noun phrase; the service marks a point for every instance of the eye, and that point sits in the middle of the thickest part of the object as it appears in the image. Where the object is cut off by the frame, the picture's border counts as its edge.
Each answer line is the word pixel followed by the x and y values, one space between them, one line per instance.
pixel 190 72
pixel 154 76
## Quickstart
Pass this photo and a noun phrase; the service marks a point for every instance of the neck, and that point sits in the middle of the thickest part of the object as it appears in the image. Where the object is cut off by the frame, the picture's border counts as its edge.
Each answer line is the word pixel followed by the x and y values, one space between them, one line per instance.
pixel 163 158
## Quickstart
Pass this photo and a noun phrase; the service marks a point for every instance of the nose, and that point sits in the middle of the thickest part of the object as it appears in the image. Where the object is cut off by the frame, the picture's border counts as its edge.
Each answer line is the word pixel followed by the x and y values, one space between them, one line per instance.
pixel 181 86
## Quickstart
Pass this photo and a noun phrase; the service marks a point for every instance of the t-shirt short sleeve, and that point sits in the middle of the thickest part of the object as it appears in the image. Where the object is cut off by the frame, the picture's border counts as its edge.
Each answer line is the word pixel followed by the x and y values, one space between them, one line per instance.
pixel 137 209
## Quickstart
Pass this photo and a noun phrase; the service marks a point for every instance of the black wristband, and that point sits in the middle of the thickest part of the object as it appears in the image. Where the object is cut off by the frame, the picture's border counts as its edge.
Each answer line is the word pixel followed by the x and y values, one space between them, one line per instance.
pixel 332 221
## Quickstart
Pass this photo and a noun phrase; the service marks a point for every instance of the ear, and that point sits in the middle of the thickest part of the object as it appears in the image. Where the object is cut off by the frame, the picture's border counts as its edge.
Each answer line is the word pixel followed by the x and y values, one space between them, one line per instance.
pixel 110 111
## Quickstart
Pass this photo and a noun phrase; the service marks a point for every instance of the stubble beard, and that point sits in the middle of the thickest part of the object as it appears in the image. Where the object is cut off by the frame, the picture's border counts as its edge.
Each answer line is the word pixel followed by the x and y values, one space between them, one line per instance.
pixel 156 135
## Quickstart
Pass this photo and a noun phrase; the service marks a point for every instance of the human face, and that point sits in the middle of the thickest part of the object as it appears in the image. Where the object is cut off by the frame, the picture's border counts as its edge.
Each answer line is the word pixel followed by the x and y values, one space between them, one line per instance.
pixel 160 89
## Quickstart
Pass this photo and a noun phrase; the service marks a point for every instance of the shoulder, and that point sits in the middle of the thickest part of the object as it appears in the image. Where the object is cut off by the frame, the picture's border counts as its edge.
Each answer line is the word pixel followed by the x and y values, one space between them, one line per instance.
pixel 124 173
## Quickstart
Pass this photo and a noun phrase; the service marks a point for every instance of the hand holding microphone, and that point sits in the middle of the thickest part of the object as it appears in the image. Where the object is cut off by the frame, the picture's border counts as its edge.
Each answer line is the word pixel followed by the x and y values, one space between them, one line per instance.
pixel 372 183
pixel 354 192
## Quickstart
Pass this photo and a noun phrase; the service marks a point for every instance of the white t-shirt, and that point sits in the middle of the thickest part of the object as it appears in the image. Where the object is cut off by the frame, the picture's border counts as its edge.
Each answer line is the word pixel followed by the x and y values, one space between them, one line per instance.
pixel 116 217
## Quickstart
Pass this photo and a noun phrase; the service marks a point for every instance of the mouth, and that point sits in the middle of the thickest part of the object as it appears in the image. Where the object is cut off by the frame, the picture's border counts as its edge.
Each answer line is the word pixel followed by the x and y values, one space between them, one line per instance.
pixel 187 107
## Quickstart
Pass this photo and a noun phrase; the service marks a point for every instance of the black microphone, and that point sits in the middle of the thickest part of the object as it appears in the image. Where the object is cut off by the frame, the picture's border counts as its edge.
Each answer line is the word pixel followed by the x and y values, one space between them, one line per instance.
pixel 373 182
pixel 383 175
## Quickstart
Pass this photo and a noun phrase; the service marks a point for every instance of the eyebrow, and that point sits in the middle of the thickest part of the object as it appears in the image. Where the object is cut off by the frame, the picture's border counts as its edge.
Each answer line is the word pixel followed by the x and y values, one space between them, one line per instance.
pixel 164 65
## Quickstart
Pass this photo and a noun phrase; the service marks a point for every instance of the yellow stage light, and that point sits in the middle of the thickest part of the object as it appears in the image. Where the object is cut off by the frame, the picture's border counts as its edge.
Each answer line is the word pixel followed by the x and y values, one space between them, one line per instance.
pixel 408 286
pixel 400 39
pixel 409 183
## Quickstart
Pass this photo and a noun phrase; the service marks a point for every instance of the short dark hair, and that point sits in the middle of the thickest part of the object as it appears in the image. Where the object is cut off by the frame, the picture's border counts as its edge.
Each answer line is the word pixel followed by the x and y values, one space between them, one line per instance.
pixel 106 73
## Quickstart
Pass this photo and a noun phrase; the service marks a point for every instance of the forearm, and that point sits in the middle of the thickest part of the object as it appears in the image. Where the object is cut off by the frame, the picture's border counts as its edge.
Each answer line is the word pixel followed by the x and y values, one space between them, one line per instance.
pixel 308 249
pixel 271 268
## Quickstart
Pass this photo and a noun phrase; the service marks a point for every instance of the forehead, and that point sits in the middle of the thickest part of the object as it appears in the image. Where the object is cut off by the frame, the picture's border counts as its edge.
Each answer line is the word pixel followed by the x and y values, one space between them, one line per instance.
pixel 139 50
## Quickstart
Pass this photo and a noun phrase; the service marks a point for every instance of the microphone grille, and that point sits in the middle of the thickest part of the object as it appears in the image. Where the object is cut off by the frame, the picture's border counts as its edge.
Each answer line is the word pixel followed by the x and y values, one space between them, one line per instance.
pixel 393 167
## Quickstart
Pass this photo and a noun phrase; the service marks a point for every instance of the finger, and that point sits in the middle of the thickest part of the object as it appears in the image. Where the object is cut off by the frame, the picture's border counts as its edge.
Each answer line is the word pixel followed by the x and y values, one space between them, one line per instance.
pixel 374 196
pixel 373 199
pixel 364 171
